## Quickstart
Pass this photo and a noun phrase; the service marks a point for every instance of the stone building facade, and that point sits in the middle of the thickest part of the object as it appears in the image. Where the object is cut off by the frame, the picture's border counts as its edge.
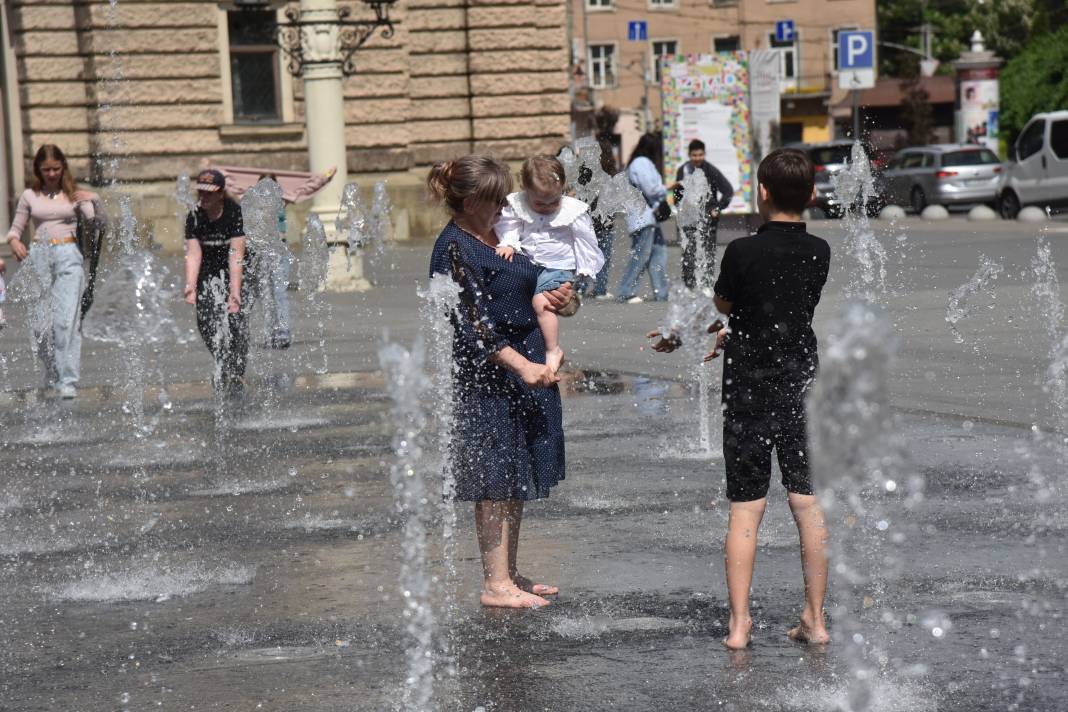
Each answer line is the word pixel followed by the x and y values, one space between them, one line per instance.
pixel 140 91
pixel 612 65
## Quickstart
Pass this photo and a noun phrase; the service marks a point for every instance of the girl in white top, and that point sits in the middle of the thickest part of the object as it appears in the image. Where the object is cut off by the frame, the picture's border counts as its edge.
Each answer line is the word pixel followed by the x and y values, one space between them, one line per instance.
pixel 556 233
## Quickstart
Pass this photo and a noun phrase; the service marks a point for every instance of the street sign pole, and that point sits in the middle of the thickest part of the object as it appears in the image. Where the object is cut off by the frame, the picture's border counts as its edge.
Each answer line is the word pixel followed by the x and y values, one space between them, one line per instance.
pixel 856 115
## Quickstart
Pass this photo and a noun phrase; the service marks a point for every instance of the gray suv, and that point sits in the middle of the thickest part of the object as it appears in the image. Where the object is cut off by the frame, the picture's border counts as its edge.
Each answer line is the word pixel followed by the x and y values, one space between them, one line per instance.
pixel 944 174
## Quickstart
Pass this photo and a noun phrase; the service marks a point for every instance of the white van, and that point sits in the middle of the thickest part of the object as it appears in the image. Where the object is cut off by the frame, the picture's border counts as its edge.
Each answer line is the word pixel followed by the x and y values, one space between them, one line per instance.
pixel 1037 170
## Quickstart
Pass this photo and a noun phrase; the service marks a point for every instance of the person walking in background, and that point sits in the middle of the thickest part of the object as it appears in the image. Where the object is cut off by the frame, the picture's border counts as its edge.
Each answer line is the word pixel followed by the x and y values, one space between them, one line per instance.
pixel 55 205
pixel 694 274
pixel 214 269
pixel 648 251
pixel 507 444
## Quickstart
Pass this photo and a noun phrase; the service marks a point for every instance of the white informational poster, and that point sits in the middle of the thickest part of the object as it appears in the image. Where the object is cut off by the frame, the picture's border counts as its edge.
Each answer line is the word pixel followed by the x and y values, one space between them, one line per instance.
pixel 764 97
pixel 711 123
pixel 979 110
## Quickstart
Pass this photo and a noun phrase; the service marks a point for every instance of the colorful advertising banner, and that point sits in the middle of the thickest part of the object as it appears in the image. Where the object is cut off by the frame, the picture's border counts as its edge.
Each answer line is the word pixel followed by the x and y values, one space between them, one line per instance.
pixel 706 96
pixel 979 107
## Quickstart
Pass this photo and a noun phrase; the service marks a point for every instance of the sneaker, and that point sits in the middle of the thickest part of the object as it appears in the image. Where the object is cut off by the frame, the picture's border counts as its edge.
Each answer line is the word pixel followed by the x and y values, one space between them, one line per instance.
pixel 635 300
pixel 281 340
pixel 67 391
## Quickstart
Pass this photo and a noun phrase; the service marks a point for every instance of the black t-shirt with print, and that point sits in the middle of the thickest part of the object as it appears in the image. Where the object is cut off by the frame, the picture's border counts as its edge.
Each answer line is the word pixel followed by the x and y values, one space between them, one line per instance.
pixel 773 280
pixel 214 237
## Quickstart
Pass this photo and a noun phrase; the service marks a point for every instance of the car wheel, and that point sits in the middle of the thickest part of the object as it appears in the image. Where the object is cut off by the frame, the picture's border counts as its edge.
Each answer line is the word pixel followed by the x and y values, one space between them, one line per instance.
pixel 1009 205
pixel 917 199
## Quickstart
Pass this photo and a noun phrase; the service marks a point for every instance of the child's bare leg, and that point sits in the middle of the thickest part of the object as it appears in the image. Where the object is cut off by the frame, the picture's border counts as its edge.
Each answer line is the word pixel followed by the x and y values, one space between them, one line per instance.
pixel 740 555
pixel 550 329
pixel 812 530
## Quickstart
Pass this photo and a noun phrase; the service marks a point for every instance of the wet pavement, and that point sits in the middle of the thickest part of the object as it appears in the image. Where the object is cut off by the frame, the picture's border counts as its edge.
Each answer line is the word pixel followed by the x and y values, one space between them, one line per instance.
pixel 254 564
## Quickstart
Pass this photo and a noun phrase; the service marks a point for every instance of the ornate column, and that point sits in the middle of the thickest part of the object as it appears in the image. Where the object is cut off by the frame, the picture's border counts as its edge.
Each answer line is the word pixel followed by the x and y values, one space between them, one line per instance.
pixel 978 103
pixel 320 41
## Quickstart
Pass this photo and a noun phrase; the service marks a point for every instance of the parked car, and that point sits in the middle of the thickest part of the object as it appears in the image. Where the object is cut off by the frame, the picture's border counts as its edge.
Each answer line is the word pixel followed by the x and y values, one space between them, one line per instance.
pixel 831 158
pixel 1037 170
pixel 943 174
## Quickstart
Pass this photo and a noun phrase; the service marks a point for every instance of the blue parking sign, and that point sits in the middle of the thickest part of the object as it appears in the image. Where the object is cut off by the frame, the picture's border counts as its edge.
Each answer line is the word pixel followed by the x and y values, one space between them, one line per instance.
pixel 785 31
pixel 637 30
pixel 856 50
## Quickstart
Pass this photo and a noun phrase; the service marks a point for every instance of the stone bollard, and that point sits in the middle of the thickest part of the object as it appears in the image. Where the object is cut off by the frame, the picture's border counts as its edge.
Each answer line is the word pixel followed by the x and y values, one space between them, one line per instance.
pixel 892 212
pixel 982 213
pixel 1032 214
pixel 934 213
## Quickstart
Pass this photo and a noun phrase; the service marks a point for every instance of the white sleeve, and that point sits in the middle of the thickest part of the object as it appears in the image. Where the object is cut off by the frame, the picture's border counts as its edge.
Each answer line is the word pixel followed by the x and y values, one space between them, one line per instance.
pixel 588 256
pixel 509 229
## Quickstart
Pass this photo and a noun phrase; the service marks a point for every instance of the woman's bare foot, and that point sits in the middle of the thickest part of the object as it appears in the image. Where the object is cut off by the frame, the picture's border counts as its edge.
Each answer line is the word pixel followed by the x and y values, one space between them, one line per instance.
pixel 554 359
pixel 810 630
pixel 740 634
pixel 540 589
pixel 511 596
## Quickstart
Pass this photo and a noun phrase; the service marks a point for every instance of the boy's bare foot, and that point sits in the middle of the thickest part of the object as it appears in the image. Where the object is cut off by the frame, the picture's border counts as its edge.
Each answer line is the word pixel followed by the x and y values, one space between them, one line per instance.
pixel 511 596
pixel 539 589
pixel 739 635
pixel 810 630
pixel 554 359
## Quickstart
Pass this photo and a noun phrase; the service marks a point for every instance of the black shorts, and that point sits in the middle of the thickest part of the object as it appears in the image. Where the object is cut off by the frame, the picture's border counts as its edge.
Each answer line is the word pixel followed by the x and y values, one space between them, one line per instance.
pixel 748 438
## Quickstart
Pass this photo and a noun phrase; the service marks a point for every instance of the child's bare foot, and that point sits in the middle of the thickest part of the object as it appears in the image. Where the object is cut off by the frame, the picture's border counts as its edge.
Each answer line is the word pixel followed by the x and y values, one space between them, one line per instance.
pixel 554 359
pixel 539 589
pixel 740 634
pixel 810 630
pixel 511 596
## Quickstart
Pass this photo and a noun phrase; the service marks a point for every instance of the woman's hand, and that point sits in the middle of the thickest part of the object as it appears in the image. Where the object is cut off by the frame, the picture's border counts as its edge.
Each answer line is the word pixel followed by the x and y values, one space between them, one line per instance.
pixel 505 252
pixel 665 344
pixel 233 304
pixel 559 297
pixel 190 294
pixel 18 249
pixel 538 375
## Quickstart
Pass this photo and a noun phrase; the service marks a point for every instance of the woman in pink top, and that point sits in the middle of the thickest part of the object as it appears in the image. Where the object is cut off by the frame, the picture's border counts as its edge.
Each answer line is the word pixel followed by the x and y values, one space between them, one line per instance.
pixel 51 204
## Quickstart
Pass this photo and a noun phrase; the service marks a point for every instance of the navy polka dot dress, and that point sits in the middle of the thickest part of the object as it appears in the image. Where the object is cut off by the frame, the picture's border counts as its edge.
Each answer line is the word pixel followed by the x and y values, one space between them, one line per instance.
pixel 509 438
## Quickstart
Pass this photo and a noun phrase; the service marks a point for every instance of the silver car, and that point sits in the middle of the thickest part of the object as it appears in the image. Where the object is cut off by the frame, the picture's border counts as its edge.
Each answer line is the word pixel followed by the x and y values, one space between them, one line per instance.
pixel 945 174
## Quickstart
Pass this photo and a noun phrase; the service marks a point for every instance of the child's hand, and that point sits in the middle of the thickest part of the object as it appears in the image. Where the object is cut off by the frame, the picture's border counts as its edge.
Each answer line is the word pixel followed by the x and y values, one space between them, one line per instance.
pixel 665 344
pixel 505 252
pixel 721 339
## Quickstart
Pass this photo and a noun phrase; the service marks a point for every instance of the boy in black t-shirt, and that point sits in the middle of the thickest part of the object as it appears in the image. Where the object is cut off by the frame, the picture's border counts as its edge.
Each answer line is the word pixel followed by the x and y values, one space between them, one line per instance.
pixel 769 284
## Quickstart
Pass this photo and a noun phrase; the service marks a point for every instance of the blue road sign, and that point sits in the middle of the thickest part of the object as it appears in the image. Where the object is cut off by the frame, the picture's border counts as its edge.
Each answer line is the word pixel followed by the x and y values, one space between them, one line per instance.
pixel 856 50
pixel 637 30
pixel 785 31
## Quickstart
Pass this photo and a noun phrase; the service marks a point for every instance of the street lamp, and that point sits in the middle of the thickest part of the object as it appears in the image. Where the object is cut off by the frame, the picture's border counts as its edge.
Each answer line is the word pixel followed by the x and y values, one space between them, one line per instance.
pixel 319 39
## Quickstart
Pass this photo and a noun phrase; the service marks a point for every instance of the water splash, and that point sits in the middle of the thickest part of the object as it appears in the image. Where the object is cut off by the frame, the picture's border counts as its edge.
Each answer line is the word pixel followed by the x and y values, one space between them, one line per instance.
pixel 314 264
pixel 185 196
pixel 410 387
pixel 855 187
pixel 961 305
pixel 689 316
pixel 381 220
pixel 585 176
pixel 858 463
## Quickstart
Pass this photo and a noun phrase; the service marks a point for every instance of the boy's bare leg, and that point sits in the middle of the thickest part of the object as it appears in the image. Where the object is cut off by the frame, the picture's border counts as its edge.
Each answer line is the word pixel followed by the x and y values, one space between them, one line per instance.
pixel 492 523
pixel 515 516
pixel 550 329
pixel 740 555
pixel 812 530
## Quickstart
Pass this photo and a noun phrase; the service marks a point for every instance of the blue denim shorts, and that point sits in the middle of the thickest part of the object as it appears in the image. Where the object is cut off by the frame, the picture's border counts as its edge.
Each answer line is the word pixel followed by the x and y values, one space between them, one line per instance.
pixel 549 279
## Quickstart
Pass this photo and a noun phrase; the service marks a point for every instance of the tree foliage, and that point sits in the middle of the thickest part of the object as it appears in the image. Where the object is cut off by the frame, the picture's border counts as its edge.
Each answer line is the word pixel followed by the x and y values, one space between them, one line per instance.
pixel 1035 80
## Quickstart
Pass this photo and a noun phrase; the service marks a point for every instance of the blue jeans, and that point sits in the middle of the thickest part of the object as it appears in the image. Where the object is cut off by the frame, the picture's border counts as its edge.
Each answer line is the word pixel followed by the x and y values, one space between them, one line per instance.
pixel 647 251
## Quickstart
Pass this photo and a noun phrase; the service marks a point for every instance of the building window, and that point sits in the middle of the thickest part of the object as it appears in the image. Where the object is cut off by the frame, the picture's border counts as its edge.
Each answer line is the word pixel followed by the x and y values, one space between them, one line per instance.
pixel 662 49
pixel 727 44
pixel 598 4
pixel 602 63
pixel 254 67
pixel 788 68
pixel 834 45
pixel 662 4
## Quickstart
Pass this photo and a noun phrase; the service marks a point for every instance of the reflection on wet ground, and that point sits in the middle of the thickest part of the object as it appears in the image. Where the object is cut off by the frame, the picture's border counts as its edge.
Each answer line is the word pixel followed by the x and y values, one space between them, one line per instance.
pixel 158 573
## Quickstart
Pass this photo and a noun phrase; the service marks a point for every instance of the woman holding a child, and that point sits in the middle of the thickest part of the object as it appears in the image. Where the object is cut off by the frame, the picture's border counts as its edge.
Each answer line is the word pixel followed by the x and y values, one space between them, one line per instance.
pixel 508 442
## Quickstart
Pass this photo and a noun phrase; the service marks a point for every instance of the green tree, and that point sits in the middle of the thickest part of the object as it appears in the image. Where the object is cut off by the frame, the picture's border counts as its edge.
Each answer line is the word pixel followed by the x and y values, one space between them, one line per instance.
pixel 1033 81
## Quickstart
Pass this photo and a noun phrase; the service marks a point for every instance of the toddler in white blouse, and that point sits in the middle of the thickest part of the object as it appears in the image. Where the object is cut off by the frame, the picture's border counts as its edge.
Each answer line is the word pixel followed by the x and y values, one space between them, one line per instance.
pixel 555 232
